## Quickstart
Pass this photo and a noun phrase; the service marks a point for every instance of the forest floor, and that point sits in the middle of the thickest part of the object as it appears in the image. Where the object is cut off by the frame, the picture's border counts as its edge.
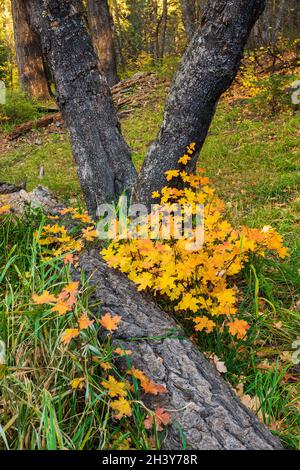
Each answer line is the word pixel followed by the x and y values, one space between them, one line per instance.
pixel 252 158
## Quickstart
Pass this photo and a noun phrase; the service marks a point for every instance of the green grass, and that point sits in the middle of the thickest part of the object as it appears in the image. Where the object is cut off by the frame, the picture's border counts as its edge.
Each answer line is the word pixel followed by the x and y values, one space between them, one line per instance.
pixel 17 109
pixel 38 407
pixel 55 155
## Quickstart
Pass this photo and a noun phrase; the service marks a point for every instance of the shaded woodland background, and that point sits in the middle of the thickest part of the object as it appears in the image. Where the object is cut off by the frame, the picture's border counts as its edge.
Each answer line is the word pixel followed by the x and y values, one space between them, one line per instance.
pixel 144 32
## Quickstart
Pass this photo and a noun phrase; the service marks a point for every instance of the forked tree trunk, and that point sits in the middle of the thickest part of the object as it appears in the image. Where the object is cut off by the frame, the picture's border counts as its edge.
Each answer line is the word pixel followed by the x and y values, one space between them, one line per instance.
pixel 103 158
pixel 100 26
pixel 207 69
pixel 31 69
pixel 206 412
pixel 205 408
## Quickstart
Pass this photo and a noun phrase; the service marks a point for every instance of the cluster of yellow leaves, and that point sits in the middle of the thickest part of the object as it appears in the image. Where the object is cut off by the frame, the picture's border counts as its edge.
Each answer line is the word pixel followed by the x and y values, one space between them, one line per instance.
pixel 57 241
pixel 199 282
pixel 122 405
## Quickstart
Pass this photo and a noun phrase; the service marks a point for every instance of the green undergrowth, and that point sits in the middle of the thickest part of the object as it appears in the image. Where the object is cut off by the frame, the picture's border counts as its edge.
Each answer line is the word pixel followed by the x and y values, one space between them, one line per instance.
pixel 39 406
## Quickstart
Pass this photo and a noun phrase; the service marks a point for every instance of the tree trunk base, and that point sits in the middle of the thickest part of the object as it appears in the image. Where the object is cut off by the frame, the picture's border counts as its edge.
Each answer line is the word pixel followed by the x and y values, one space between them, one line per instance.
pixel 206 413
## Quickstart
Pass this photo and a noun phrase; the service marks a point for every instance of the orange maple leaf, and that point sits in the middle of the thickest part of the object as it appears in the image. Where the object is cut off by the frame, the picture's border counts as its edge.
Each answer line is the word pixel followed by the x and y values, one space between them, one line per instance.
pixel 45 298
pixel 110 323
pixel 147 384
pixel 160 417
pixel 61 308
pixel 69 334
pixel 123 352
pixel 69 259
pixel 84 322
pixel 152 387
pixel 238 328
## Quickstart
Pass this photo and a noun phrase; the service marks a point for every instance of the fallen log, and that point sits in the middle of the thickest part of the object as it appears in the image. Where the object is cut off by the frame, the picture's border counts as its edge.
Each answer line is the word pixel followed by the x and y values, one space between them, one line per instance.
pixel 34 124
pixel 205 409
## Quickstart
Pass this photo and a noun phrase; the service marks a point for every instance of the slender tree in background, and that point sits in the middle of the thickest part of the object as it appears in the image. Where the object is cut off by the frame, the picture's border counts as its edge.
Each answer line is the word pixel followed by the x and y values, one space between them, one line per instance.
pixel 118 35
pixel 189 16
pixel 101 29
pixel 30 63
pixel 164 21
pixel 207 69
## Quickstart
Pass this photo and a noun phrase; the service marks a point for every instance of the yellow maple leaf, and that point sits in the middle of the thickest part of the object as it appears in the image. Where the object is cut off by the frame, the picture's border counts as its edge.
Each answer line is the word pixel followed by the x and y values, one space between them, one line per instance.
pixel 110 323
pixel 45 298
pixel 188 302
pixel 105 366
pixel 155 195
pixel 5 209
pixel 85 218
pixel 184 159
pixel 203 323
pixel 77 384
pixel 143 280
pixel 171 174
pixel 122 408
pixel 69 334
pixel 115 388
pixel 89 234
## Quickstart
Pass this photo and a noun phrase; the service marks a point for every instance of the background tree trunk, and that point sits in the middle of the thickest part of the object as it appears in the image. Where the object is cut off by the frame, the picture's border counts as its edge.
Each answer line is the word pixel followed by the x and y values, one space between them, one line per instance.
pixel 164 21
pixel 31 69
pixel 118 34
pixel 189 17
pixel 206 410
pixel 207 69
pixel 100 26
pixel 103 158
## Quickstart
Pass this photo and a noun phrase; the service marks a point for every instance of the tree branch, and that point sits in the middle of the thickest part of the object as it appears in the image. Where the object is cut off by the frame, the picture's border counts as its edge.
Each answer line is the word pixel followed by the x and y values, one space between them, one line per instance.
pixel 207 69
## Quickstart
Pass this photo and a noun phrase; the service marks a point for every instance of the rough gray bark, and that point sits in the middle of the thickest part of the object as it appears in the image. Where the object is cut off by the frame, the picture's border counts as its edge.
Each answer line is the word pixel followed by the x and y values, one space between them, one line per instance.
pixel 207 69
pixel 208 411
pixel 100 27
pixel 29 55
pixel 103 158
